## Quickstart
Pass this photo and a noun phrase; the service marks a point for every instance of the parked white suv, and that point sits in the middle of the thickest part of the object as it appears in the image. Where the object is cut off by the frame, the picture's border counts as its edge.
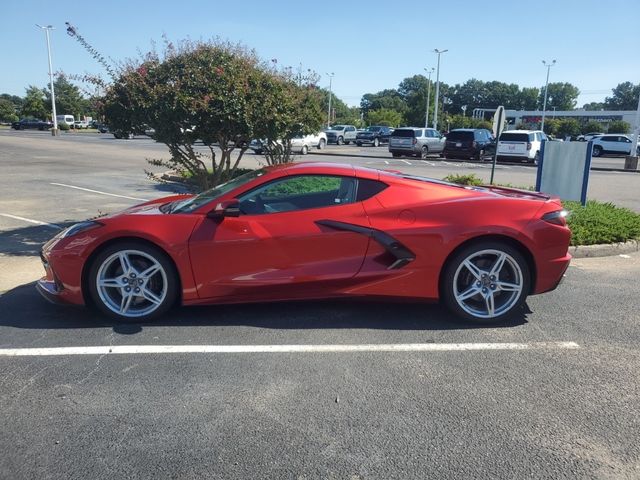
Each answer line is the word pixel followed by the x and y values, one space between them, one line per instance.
pixel 614 144
pixel 523 145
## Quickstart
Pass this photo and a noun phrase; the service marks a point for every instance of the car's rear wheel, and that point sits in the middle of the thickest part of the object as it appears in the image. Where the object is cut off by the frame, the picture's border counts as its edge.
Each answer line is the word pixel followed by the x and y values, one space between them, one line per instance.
pixel 395 155
pixel 376 142
pixel 597 150
pixel 132 281
pixel 486 282
pixel 304 150
pixel 359 144
pixel 424 152
pixel 322 143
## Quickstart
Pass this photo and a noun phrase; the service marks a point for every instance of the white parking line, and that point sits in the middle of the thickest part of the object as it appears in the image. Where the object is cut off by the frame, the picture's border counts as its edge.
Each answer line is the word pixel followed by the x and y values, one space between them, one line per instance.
pixel 99 192
pixel 30 220
pixel 405 161
pixel 401 347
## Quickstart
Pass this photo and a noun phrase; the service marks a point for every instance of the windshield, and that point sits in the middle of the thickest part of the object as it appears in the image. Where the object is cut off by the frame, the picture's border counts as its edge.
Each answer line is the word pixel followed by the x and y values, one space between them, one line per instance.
pixel 374 129
pixel 191 204
pixel 337 127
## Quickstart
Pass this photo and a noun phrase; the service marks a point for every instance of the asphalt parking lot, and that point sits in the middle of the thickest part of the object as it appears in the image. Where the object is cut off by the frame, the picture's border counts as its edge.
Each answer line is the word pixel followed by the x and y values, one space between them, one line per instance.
pixel 304 389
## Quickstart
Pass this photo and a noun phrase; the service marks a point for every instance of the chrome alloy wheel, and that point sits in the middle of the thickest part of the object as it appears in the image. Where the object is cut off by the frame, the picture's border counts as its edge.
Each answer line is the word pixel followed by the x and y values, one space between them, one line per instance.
pixel 488 283
pixel 131 283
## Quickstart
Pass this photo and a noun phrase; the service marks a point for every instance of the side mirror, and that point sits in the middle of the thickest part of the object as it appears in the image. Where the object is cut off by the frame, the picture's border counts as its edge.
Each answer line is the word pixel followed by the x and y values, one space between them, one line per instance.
pixel 230 208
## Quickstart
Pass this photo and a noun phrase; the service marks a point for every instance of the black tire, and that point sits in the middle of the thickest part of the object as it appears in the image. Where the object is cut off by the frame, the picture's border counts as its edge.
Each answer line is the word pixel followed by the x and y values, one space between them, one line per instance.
pixel 376 142
pixel 424 152
pixel 163 283
pixel 536 158
pixel 322 143
pixel 597 150
pixel 396 155
pixel 359 144
pixel 457 280
pixel 347 142
pixel 304 150
pixel 340 141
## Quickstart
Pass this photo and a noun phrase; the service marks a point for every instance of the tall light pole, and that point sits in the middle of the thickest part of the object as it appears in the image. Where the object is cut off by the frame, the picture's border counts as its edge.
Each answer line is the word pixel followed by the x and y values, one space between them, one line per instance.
pixel 329 111
pixel 53 95
pixel 546 90
pixel 435 111
pixel 426 115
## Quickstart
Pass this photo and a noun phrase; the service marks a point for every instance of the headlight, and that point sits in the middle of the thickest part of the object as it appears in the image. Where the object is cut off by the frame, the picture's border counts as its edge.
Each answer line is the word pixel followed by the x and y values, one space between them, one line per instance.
pixel 78 227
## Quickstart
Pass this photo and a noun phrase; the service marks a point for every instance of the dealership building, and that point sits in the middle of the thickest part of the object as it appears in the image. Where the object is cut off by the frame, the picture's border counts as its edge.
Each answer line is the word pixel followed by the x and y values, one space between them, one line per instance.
pixel 533 118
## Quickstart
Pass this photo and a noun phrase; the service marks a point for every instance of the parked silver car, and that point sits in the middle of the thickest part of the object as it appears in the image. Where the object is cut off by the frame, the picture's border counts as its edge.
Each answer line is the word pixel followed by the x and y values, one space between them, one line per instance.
pixel 416 141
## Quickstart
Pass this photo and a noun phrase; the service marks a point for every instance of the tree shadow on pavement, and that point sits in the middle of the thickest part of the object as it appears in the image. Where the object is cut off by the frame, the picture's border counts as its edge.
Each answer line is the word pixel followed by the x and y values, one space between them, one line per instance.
pixel 23 307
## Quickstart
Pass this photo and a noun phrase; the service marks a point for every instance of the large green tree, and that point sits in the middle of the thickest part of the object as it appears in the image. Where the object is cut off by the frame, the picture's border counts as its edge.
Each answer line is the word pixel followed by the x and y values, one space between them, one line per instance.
pixel 69 99
pixel 34 103
pixel 7 111
pixel 215 92
pixel 624 97
pixel 561 95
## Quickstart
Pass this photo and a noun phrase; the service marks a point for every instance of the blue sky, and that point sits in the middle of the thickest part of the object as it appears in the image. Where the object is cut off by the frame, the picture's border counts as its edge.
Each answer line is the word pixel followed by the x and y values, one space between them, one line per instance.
pixel 369 46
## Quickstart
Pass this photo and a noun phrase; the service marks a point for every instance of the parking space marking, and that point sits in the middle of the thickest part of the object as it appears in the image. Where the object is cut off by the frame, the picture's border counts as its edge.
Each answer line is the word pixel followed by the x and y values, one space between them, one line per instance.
pixel 165 349
pixel 99 192
pixel 405 161
pixel 30 220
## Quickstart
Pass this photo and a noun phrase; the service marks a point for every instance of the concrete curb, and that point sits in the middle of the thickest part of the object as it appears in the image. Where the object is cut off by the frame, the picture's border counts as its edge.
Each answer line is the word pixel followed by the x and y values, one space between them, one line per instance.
pixel 606 250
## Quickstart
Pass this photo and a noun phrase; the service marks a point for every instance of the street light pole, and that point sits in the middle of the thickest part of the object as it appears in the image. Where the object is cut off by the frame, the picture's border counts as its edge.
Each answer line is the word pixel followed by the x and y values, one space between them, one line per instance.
pixel 329 111
pixel 435 110
pixel 546 90
pixel 426 115
pixel 53 94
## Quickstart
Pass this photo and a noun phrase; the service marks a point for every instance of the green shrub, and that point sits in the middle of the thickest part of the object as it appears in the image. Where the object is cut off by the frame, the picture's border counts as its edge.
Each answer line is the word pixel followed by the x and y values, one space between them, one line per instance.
pixel 598 223
pixel 470 179
pixel 63 126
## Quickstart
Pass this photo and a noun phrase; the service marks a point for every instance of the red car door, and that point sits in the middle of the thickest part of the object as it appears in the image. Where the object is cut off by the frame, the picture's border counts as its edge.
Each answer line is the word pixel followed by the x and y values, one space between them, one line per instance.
pixel 276 249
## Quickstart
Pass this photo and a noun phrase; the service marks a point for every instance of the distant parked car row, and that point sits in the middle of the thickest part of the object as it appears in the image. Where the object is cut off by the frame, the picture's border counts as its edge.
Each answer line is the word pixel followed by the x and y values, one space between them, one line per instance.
pixel 300 144
pixel 31 123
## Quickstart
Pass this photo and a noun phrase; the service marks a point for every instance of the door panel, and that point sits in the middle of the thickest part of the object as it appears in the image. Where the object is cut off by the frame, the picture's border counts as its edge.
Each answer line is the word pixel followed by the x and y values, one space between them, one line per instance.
pixel 277 255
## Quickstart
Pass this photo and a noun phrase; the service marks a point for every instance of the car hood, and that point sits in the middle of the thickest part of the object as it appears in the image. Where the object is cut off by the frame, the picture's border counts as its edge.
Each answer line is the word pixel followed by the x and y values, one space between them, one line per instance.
pixel 151 207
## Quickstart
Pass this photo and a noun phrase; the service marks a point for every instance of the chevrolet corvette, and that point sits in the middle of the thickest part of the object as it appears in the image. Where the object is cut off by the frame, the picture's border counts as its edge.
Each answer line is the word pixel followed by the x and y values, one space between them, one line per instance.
pixel 315 231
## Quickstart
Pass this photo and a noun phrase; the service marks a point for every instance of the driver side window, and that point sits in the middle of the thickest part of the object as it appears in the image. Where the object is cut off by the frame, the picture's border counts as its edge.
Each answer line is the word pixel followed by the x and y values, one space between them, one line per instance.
pixel 299 192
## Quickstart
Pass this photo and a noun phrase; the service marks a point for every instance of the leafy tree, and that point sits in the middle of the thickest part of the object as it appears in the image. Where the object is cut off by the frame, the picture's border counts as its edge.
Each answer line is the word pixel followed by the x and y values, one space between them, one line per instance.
pixel 528 98
pixel 389 99
pixel 340 111
pixel 593 106
pixel 69 100
pixel 7 111
pixel 15 100
pixel 619 126
pixel 625 97
pixel 413 90
pixel 215 92
pixel 552 126
pixel 562 95
pixel 568 127
pixel 34 103
pixel 591 126
pixel 385 116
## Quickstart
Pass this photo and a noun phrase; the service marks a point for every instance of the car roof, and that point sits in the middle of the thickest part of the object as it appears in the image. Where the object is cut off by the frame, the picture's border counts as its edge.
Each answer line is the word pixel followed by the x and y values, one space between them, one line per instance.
pixel 522 131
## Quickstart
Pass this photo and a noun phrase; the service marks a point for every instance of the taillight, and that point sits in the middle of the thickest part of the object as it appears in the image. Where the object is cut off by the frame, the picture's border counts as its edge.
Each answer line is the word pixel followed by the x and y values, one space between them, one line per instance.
pixel 559 217
pixel 528 145
pixel 415 140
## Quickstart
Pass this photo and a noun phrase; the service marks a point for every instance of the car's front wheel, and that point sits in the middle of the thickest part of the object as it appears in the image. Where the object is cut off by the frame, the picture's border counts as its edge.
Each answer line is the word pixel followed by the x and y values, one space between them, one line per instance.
pixel 486 282
pixel 339 141
pixel 376 142
pixel 322 143
pixel 304 150
pixel 132 281
pixel 597 150
pixel 424 152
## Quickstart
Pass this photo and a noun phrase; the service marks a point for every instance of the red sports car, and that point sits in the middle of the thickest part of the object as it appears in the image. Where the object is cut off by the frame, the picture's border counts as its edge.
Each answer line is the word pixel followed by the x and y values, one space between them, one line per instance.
pixel 315 230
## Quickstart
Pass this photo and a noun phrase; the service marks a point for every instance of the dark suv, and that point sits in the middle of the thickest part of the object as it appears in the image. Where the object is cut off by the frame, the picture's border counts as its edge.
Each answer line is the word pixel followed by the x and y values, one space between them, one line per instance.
pixel 27 123
pixel 374 135
pixel 467 143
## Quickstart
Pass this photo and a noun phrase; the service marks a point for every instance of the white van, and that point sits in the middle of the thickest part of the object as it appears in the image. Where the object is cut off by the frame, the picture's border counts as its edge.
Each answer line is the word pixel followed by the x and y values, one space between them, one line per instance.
pixel 68 119
pixel 523 145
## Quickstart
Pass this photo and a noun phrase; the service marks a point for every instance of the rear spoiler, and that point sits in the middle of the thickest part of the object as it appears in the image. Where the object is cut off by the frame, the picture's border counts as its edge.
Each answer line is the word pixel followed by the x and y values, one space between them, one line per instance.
pixel 518 192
